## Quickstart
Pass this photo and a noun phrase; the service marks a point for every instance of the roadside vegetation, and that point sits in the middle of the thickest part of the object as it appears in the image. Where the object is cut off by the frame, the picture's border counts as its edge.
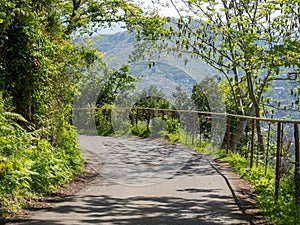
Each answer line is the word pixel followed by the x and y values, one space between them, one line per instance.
pixel 29 163
pixel 286 210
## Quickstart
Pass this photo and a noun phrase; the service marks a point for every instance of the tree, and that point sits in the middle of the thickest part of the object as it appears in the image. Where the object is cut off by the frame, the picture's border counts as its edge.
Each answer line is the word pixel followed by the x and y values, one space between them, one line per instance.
pixel 116 82
pixel 100 87
pixel 181 99
pixel 208 98
pixel 40 65
pixel 199 98
pixel 249 41
pixel 151 98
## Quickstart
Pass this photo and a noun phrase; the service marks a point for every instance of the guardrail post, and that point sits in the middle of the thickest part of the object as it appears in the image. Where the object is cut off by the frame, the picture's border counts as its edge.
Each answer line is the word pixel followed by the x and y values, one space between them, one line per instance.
pixel 252 143
pixel 91 118
pixel 297 164
pixel 193 130
pixel 136 117
pixel 228 134
pixel 277 179
pixel 268 148
pixel 148 119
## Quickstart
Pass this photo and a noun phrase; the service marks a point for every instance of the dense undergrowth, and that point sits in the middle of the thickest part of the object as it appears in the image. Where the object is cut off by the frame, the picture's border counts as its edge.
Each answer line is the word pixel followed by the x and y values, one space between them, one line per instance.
pixel 285 211
pixel 31 165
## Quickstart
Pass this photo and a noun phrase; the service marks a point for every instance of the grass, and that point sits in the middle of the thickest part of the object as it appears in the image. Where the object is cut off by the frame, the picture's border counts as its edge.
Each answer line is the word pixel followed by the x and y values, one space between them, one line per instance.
pixel 284 211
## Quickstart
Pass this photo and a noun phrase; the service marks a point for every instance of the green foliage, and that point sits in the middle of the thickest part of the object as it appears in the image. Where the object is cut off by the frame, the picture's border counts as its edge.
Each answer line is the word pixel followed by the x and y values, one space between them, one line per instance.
pixel 114 83
pixel 199 98
pixel 173 126
pixel 103 121
pixel 159 128
pixel 181 99
pixel 141 130
pixel 152 98
pixel 173 137
pixel 40 68
pixel 89 16
pixel 234 43
pixel 249 42
pixel 221 154
pixel 101 87
pixel 173 129
pixel 201 145
pixel 285 211
pixel 29 163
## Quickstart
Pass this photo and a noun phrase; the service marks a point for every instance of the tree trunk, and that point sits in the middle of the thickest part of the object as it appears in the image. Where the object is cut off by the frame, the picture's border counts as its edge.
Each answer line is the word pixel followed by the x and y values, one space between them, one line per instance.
pixel 260 137
pixel 239 131
pixel 237 134
pixel 255 103
pixel 148 120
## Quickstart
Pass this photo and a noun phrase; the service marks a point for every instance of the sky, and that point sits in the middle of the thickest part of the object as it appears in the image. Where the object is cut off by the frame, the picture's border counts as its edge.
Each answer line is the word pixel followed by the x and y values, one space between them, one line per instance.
pixel 167 10
pixel 163 10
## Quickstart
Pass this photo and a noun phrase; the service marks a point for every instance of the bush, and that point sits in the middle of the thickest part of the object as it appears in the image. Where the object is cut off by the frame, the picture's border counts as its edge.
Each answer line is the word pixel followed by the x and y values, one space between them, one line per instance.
pixel 173 126
pixel 30 164
pixel 173 137
pixel 103 123
pixel 201 145
pixel 141 130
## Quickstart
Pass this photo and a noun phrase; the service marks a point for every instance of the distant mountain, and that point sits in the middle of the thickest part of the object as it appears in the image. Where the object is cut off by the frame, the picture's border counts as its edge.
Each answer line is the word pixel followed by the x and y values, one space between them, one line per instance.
pixel 167 72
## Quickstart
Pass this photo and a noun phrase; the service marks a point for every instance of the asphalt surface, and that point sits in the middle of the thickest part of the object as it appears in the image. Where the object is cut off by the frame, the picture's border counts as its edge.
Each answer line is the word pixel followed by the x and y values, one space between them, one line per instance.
pixel 148 182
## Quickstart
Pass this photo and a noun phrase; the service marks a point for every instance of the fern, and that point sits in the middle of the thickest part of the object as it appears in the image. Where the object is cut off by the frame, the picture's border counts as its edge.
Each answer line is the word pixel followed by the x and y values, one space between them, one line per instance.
pixel 14 116
pixel 9 120
pixel 29 162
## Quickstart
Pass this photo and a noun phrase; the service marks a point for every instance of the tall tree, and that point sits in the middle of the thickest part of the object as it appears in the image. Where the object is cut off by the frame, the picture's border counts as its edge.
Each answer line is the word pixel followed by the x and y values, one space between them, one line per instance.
pixel 118 81
pixel 181 99
pixel 40 65
pixel 249 41
pixel 152 97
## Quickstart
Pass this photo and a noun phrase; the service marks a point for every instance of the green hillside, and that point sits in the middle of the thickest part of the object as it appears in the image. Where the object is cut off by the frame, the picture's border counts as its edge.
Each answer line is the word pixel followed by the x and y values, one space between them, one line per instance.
pixel 168 72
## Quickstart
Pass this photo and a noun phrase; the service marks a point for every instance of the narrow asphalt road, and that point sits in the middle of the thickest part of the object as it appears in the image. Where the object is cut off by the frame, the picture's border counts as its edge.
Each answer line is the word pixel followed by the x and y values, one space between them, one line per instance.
pixel 148 182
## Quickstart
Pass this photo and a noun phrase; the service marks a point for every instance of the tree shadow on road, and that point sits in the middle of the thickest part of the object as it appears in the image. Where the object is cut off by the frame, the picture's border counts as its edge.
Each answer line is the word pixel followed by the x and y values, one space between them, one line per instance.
pixel 93 209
